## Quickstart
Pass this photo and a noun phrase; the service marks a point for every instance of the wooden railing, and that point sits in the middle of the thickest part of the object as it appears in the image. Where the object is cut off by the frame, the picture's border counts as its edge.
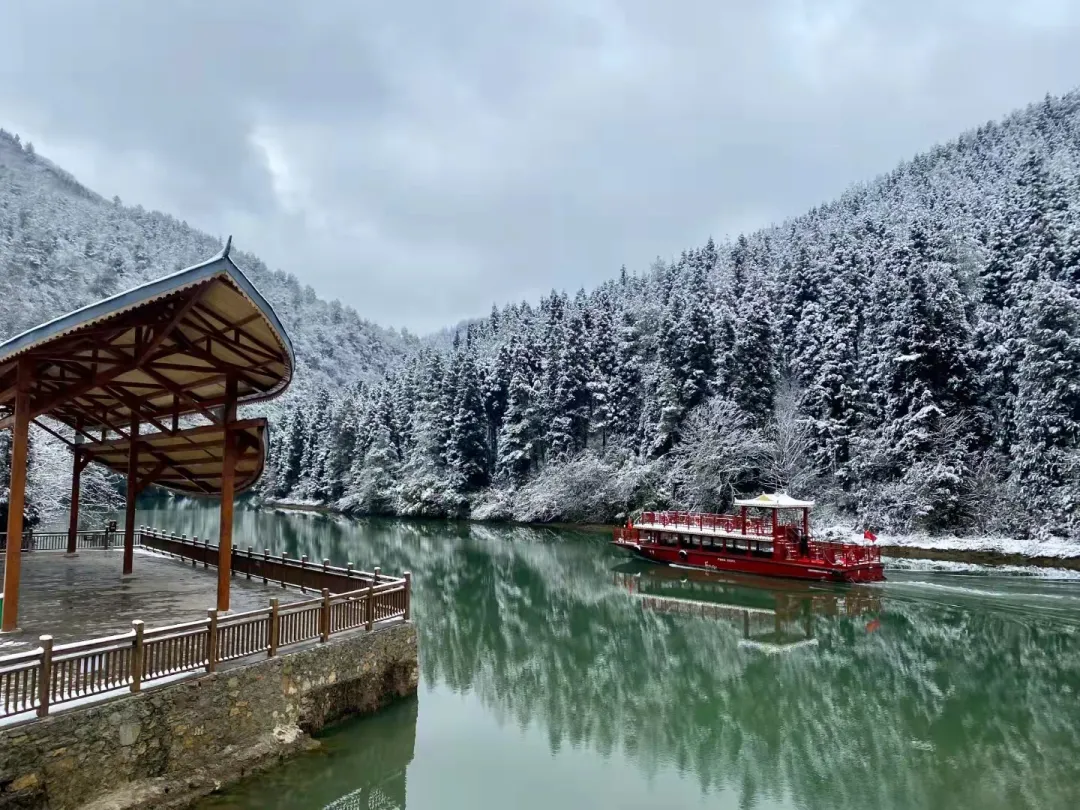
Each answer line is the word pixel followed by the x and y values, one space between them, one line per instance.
pixel 57 541
pixel 730 524
pixel 251 564
pixel 56 674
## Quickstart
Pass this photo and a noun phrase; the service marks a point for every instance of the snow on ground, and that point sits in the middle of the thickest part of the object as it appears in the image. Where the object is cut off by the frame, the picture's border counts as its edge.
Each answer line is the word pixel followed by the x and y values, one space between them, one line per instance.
pixel 1047 547
pixel 295 504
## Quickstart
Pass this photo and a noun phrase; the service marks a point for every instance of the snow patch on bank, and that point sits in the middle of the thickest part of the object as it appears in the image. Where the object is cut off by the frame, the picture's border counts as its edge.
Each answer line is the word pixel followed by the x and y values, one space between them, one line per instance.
pixel 295 505
pixel 922 565
pixel 1026 547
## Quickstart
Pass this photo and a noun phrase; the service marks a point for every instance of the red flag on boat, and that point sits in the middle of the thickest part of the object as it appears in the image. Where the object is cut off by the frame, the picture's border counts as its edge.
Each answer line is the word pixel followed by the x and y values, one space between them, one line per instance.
pixel 869 535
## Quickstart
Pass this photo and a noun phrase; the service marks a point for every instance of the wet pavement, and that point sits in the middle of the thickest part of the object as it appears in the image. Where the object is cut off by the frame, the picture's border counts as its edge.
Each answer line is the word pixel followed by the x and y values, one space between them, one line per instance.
pixel 81 597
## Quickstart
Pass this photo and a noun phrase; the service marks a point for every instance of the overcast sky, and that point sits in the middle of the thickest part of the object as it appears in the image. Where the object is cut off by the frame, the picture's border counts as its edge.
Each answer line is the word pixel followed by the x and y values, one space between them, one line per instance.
pixel 420 159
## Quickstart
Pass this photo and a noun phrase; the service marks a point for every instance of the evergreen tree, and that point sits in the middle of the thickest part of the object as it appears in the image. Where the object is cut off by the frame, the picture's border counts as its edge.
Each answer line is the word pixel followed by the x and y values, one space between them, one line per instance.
pixel 468 454
pixel 1048 408
pixel 568 412
pixel 521 425
pixel 603 363
pixel 624 390
pixel 752 364
pixel 295 440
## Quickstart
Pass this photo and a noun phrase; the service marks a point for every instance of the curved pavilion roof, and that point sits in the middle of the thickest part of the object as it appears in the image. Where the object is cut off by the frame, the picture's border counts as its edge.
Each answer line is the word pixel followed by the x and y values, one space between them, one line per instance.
pixel 189 461
pixel 175 347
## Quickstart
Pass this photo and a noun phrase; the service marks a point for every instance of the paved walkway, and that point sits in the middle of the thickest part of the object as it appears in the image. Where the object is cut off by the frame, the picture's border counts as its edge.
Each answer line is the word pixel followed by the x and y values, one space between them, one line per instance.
pixel 74 598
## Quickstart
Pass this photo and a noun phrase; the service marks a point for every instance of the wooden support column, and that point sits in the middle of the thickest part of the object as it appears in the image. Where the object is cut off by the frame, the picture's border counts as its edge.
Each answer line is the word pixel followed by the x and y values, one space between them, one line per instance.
pixel 17 497
pixel 132 494
pixel 77 465
pixel 228 475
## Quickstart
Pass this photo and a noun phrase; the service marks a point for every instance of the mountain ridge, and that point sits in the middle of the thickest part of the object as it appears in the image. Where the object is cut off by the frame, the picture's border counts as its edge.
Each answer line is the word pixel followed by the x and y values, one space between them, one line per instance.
pixel 894 351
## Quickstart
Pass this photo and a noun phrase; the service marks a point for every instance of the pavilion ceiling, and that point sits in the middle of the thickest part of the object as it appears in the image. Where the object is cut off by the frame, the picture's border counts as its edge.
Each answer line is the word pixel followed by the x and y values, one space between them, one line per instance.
pixel 173 349
pixel 189 461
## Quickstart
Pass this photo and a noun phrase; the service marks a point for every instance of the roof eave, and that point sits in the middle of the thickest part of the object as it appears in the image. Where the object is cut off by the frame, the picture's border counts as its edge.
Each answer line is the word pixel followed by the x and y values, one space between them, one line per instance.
pixel 220 264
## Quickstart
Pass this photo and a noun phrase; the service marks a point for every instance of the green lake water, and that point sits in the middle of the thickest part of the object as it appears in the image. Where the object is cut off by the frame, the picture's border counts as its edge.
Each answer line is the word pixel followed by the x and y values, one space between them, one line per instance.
pixel 557 674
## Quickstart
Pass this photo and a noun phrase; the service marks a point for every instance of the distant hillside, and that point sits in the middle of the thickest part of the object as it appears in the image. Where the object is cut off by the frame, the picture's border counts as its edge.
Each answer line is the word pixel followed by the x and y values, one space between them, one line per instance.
pixel 908 355
pixel 63 246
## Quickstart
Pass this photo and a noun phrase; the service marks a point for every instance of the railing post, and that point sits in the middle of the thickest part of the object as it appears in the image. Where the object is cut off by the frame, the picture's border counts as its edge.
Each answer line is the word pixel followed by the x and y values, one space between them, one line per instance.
pixel 45 684
pixel 275 625
pixel 249 563
pixel 211 640
pixel 370 597
pixel 303 567
pixel 137 653
pixel 324 633
pixel 284 565
pixel 266 559
pixel 349 570
pixel 370 606
pixel 408 595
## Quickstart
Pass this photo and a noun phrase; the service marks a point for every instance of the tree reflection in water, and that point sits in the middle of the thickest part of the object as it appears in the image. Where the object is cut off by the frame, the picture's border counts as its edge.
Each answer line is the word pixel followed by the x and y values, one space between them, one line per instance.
pixel 904 700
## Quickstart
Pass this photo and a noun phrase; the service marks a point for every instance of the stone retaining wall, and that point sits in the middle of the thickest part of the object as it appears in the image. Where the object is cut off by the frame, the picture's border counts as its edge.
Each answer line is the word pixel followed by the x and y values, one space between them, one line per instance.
pixel 168 745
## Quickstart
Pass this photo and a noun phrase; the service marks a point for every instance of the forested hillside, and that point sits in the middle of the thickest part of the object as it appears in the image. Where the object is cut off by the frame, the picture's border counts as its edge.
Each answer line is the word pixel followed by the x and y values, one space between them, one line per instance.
pixel 908 354
pixel 62 247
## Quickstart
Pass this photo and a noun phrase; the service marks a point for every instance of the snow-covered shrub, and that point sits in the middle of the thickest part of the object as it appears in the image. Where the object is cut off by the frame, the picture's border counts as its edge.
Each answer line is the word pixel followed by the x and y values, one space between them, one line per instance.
pixel 721 453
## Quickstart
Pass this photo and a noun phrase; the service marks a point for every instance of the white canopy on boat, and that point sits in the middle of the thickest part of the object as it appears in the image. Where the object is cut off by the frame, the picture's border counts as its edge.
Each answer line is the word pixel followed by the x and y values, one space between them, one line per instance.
pixel 779 500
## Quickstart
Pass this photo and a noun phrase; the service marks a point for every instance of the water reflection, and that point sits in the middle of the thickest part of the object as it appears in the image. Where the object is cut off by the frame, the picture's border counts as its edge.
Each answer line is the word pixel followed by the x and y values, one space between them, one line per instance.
pixel 901 701
pixel 773 615
pixel 360 766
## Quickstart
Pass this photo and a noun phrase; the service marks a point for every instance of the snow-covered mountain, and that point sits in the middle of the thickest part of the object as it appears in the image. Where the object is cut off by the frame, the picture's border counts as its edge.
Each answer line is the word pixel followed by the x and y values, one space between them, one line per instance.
pixel 908 354
pixel 62 246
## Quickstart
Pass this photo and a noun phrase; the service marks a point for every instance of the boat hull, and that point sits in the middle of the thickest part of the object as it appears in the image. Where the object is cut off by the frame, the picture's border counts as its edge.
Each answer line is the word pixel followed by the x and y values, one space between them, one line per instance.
pixel 814 570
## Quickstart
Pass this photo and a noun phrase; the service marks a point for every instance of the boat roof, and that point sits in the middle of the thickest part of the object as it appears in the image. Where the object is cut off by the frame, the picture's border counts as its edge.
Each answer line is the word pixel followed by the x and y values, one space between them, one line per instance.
pixel 778 500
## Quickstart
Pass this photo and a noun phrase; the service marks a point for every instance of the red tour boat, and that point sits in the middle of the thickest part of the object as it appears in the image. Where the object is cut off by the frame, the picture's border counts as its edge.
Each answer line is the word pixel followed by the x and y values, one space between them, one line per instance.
pixel 769 536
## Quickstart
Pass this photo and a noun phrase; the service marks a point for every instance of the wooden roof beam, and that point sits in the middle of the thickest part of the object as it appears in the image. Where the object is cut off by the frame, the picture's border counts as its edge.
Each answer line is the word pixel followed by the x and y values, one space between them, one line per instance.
pixel 165 330
pixel 235 346
pixel 210 312
pixel 75 391
pixel 210 357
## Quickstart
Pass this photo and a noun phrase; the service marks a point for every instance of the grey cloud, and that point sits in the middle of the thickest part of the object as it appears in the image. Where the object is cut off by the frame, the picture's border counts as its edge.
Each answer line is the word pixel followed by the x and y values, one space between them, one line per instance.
pixel 422 159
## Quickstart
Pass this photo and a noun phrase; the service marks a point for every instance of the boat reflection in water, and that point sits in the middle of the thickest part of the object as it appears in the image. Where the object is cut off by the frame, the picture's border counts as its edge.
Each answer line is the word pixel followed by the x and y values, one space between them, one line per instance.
pixel 773 615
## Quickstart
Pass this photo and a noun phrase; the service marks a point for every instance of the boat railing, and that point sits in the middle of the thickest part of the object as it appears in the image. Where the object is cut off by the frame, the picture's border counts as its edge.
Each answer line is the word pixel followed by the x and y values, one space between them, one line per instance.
pixel 832 553
pixel 731 524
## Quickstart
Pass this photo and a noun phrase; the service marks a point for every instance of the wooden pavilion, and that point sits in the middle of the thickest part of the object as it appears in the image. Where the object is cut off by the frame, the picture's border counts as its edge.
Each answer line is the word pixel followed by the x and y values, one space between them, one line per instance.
pixel 148 383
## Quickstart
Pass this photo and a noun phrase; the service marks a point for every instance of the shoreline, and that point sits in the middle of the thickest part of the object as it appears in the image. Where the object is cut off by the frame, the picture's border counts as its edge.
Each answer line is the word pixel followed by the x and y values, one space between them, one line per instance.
pixel 974 556
pixel 979 557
